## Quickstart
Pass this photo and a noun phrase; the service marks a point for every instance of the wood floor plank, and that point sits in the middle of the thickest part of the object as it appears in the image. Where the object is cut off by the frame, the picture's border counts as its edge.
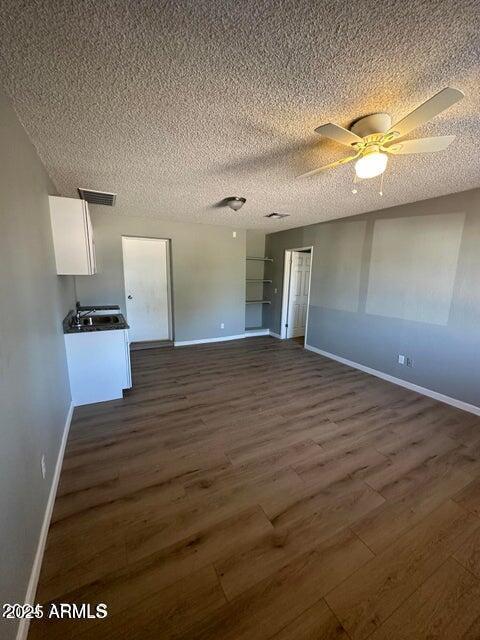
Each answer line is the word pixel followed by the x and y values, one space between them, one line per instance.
pixel 419 492
pixel 335 464
pixel 469 497
pixel 363 603
pixel 250 471
pixel 254 490
pixel 273 603
pixel 468 555
pixel 151 532
pixel 317 623
pixel 165 613
pixel 445 607
pixel 81 555
pixel 298 528
pixel 406 456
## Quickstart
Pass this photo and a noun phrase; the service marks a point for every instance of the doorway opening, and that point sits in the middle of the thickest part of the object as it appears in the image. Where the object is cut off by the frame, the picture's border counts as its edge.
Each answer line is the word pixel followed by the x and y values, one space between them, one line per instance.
pixel 296 293
pixel 148 291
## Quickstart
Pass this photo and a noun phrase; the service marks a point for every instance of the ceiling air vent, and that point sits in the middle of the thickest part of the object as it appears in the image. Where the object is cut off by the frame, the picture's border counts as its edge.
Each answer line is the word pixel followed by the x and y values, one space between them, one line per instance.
pixel 277 216
pixel 97 197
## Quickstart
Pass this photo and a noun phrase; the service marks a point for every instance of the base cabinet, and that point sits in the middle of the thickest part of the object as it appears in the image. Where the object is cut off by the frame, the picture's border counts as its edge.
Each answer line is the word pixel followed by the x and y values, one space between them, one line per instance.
pixel 98 365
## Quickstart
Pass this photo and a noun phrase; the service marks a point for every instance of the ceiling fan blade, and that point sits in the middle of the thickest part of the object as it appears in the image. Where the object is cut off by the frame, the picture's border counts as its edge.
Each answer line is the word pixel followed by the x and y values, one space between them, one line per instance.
pixel 338 133
pixel 420 145
pixel 337 163
pixel 426 111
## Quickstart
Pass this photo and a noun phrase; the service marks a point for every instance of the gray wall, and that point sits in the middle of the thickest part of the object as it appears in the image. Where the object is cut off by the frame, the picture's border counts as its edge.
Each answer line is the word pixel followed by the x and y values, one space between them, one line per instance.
pixel 403 280
pixel 208 272
pixel 34 391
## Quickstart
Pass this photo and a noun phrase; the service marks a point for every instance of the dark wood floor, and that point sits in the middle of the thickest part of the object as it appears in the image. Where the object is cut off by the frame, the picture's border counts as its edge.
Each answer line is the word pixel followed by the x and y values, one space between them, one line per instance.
pixel 252 490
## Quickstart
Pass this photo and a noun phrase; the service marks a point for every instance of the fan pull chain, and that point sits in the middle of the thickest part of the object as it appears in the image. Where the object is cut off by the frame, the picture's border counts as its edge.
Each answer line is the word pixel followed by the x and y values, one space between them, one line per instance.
pixel 354 190
pixel 381 185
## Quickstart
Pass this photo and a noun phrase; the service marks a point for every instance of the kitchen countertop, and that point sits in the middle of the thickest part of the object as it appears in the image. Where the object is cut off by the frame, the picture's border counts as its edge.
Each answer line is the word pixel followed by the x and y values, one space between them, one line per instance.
pixel 69 328
pixel 103 307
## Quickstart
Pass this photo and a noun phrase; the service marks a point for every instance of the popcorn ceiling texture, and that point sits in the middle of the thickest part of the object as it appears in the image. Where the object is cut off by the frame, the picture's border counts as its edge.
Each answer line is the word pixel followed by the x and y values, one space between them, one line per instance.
pixel 175 105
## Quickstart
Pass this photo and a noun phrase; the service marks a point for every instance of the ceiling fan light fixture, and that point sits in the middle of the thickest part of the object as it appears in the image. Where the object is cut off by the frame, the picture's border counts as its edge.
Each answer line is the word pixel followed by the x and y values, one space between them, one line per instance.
pixel 371 165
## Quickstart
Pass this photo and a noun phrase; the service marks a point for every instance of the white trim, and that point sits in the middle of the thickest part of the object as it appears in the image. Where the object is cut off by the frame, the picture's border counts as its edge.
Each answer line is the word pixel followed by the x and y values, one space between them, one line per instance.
pixel 256 332
pixel 454 402
pixel 286 289
pixel 287 270
pixel 247 334
pixel 275 335
pixel 184 343
pixel 168 258
pixel 37 563
pixel 308 299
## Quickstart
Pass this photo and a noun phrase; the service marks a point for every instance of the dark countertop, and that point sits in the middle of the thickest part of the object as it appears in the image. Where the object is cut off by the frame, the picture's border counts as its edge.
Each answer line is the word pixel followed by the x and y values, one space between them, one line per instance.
pixel 113 326
pixel 103 307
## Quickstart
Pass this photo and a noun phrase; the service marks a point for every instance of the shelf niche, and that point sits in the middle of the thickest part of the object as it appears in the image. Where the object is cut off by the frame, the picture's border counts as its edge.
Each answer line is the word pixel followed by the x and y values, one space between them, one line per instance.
pixel 258 288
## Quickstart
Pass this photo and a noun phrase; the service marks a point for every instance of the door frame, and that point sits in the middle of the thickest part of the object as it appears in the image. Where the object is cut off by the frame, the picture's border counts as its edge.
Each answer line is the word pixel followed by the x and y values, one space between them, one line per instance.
pixel 168 244
pixel 287 269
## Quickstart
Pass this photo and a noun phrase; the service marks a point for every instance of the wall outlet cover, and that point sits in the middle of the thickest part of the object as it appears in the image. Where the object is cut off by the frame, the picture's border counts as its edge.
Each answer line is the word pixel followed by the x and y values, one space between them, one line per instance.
pixel 234 234
pixel 222 325
pixel 401 359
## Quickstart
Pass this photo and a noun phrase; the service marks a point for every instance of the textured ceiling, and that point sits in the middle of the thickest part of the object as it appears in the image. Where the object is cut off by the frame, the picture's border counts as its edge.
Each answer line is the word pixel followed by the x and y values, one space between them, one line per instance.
pixel 175 105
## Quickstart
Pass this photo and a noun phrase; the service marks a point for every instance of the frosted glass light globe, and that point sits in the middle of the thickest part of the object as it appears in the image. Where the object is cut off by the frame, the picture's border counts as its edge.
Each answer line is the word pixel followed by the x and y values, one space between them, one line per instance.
pixel 371 165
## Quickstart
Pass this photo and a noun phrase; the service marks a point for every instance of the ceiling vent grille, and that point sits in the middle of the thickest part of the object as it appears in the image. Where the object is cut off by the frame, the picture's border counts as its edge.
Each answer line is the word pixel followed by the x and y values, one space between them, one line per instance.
pixel 98 197
pixel 277 216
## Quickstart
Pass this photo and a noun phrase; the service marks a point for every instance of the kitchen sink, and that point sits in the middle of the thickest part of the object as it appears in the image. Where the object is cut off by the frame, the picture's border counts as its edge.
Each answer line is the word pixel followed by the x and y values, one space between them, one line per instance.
pixel 95 321
pixel 105 319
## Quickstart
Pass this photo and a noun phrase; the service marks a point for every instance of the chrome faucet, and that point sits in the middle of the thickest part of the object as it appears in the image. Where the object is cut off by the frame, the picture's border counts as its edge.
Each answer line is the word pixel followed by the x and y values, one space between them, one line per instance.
pixel 78 316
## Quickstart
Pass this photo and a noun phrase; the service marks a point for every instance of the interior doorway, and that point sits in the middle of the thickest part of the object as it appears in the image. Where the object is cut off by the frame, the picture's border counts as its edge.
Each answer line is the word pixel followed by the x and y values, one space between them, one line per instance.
pixel 146 270
pixel 296 292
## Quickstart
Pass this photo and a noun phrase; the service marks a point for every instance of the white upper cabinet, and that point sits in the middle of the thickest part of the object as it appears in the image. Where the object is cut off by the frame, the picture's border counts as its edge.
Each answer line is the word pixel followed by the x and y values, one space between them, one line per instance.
pixel 72 236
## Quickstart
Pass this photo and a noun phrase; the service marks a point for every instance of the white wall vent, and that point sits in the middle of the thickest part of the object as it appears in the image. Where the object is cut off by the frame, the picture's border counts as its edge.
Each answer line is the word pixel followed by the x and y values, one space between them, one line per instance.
pixel 277 216
pixel 97 197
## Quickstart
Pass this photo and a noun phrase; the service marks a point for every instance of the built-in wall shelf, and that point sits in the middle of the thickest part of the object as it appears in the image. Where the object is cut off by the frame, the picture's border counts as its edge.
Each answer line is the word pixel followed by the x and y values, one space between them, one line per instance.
pixel 258 286
pixel 262 259
pixel 257 331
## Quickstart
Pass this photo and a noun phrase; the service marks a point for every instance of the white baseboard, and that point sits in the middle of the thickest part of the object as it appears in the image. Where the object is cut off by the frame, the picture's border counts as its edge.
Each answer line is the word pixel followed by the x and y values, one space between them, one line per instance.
pixel 247 334
pixel 184 343
pixel 276 335
pixel 454 402
pixel 251 333
pixel 37 563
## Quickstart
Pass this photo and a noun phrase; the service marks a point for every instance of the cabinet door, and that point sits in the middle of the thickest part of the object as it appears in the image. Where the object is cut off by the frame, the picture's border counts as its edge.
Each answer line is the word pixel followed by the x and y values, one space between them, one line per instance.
pixel 70 232
pixel 128 366
pixel 90 241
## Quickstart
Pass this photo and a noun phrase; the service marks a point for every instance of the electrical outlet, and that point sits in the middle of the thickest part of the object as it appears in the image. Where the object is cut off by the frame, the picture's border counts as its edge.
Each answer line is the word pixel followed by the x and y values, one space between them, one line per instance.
pixel 222 326
pixel 275 290
pixel 43 466
pixel 405 360
pixel 234 234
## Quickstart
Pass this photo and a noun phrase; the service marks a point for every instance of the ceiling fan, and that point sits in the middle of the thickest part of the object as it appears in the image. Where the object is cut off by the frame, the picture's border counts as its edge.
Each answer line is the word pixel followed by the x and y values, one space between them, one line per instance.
pixel 373 137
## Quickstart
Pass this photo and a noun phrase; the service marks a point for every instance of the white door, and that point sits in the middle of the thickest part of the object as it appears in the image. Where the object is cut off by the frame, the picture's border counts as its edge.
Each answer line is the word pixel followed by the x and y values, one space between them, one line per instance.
pixel 298 296
pixel 146 270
